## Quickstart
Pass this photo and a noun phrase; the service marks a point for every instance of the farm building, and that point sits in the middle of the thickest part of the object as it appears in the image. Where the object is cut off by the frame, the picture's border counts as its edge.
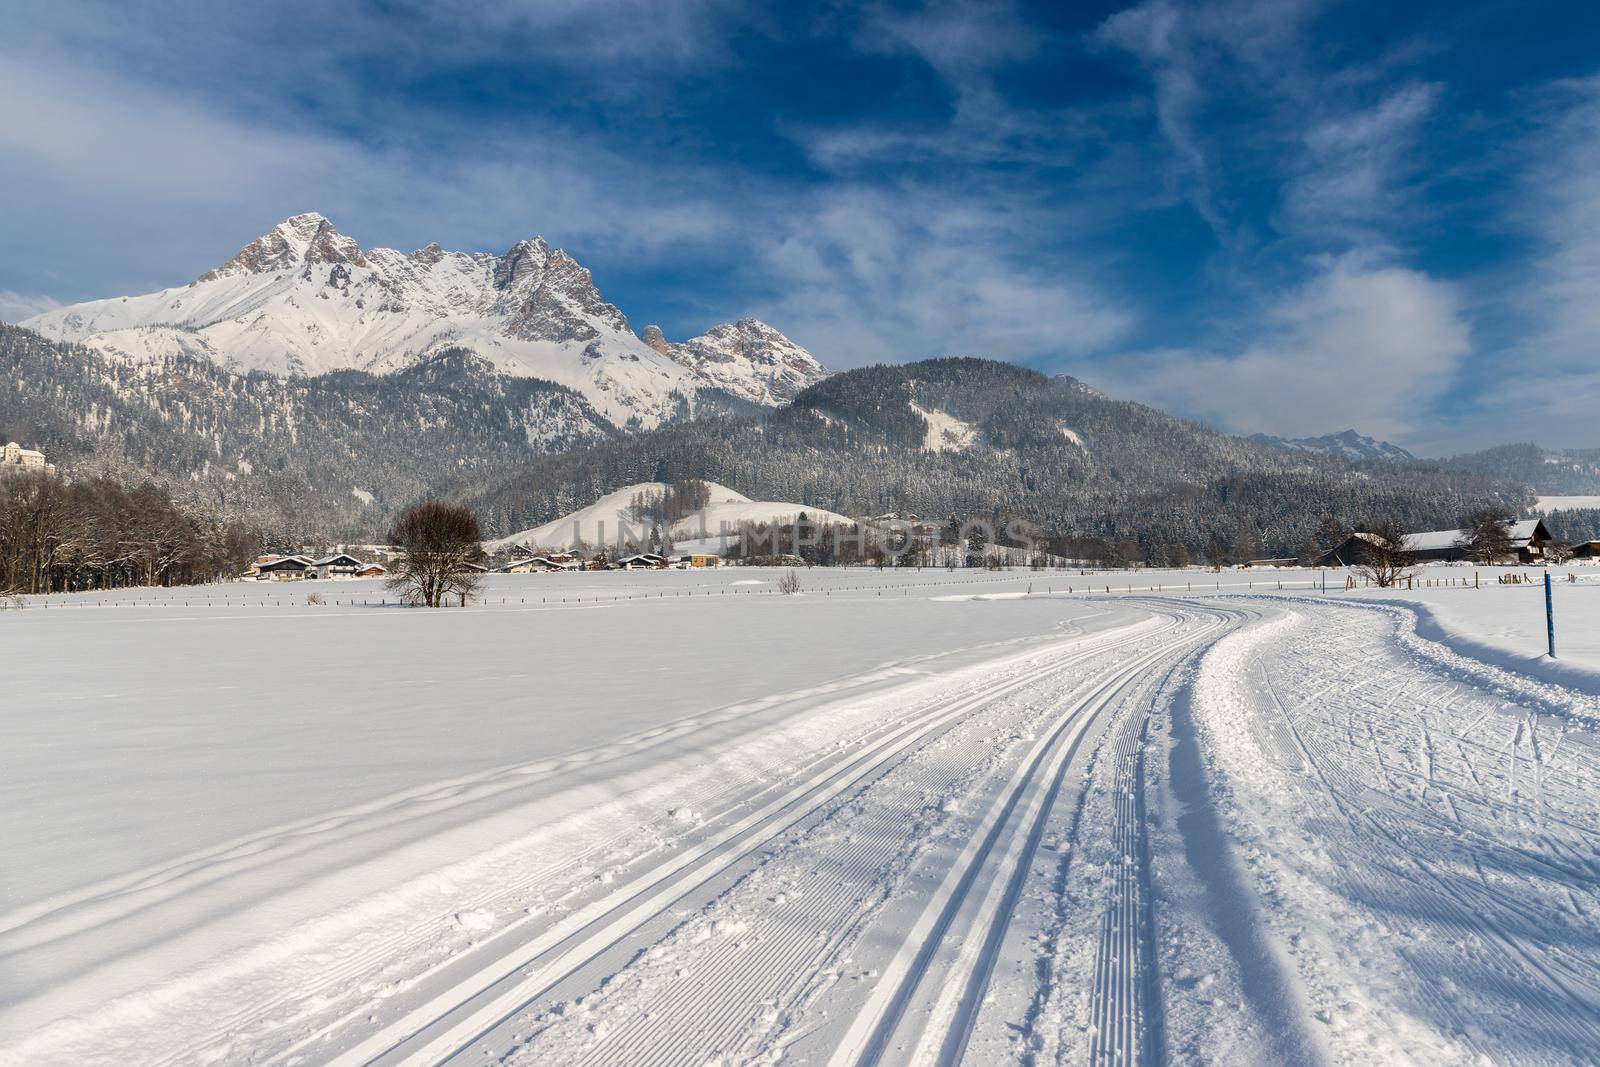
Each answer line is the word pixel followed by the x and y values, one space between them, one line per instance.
pixel 1528 538
pixel 338 565
pixel 537 564
pixel 641 561
pixel 697 560
pixel 283 569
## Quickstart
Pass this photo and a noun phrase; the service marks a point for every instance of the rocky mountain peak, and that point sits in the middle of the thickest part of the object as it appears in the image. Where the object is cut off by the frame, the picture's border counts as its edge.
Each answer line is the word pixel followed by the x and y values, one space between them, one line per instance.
pixel 526 259
pixel 653 337
pixel 296 241
pixel 747 358
pixel 428 255
pixel 304 299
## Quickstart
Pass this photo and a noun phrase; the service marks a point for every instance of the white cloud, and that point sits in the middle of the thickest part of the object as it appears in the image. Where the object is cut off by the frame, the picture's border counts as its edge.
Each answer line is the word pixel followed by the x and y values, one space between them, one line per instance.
pixel 861 273
pixel 14 307
pixel 1544 384
pixel 1360 345
pixel 1354 174
pixel 192 183
pixel 868 276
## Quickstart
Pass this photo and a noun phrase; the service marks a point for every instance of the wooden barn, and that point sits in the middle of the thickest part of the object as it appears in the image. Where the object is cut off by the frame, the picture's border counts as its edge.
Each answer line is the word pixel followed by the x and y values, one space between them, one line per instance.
pixel 1528 538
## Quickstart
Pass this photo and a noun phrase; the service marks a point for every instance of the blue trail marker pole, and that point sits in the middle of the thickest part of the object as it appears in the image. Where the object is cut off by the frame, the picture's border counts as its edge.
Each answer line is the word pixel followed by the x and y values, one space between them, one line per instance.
pixel 1549 616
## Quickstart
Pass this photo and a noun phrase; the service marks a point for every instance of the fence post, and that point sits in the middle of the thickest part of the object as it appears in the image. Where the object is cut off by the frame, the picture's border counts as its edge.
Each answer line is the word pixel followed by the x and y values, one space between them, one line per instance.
pixel 1549 616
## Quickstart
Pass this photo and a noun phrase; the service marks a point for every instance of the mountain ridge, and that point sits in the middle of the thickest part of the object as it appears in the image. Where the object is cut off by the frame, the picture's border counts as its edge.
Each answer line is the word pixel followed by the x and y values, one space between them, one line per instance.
pixel 304 299
pixel 1347 444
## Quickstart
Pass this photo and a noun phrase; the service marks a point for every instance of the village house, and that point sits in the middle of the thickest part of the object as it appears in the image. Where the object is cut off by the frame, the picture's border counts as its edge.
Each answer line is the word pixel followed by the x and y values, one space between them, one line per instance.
pixel 641 561
pixel 1528 538
pixel 696 560
pixel 538 564
pixel 338 565
pixel 14 459
pixel 283 568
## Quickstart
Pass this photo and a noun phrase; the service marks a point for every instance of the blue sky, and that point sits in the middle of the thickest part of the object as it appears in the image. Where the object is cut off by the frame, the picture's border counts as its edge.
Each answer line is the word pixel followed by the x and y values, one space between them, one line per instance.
pixel 1290 217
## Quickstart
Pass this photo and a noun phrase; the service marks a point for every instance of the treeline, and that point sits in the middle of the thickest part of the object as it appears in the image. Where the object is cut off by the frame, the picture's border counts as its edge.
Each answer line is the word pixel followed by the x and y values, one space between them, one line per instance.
pixel 1121 481
pixel 57 536
pixel 329 456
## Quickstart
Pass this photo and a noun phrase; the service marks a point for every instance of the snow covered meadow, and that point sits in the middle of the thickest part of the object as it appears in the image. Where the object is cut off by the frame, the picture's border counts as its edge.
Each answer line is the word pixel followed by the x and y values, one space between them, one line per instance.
pixel 918 816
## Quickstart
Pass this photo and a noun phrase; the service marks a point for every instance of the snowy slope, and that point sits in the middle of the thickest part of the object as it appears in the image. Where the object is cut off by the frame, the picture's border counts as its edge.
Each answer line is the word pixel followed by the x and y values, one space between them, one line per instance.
pixel 946 433
pixel 748 359
pixel 600 522
pixel 305 299
pixel 903 817
pixel 729 516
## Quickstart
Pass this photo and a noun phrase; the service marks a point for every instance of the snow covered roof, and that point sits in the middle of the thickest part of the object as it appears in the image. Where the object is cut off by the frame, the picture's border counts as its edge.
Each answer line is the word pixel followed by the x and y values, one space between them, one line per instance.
pixel 1434 540
pixel 337 557
pixel 281 561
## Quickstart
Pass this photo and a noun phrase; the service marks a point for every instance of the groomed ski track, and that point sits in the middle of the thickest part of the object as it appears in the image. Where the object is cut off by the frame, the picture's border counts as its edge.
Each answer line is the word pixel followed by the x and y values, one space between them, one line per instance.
pixel 1254 830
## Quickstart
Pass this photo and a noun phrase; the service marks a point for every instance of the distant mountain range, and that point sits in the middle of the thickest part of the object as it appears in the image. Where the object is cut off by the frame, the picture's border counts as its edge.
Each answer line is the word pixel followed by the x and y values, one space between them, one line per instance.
pixel 1347 444
pixel 318 386
pixel 982 439
pixel 306 300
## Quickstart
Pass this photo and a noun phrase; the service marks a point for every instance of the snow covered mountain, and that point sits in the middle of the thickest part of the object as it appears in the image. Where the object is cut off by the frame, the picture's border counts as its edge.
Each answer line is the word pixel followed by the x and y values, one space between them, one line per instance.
pixel 1348 445
pixel 304 299
pixel 748 359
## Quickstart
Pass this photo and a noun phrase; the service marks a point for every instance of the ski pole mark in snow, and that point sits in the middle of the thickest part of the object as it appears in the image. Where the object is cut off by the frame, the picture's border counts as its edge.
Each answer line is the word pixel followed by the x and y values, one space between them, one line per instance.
pixel 1495 961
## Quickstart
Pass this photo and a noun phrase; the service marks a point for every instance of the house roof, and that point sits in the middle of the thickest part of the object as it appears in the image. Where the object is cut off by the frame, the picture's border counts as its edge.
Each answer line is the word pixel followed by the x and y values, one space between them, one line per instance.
pixel 1522 532
pixel 336 558
pixel 283 560
pixel 1434 540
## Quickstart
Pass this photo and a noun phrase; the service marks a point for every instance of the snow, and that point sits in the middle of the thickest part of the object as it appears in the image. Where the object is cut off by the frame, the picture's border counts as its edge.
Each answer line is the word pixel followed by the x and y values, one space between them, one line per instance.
pixel 1072 435
pixel 713 528
pixel 599 523
pixel 530 313
pixel 946 433
pixel 654 816
pixel 1437 540
pixel 1547 504
pixel 1504 624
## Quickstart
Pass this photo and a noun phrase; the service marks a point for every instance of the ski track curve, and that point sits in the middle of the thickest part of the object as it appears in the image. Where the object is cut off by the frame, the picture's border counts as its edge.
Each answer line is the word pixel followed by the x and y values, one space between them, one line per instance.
pixel 1403 863
pixel 482 1001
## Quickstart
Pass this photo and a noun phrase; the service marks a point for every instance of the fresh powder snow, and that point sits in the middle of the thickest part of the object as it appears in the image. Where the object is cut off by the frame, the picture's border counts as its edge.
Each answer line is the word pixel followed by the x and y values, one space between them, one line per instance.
pixel 913 816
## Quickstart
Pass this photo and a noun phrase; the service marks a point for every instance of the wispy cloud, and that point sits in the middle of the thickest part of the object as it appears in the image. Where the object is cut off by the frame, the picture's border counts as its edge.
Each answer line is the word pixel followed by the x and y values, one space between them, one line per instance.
pixel 1246 194
pixel 870 276
pixel 1358 345
pixel 14 307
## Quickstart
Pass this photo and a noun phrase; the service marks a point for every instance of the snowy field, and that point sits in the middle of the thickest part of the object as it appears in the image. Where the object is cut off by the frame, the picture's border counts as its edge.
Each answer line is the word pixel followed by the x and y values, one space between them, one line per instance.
pixel 903 817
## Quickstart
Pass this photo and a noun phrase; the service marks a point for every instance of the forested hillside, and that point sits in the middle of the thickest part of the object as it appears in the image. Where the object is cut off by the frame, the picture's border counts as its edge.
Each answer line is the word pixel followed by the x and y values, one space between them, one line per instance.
pixel 1047 450
pixel 305 457
pixel 1571 471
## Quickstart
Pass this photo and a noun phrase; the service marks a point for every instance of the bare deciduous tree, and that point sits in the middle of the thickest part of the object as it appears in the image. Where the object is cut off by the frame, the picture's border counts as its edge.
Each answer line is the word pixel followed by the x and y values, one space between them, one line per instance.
pixel 1486 535
pixel 1385 554
pixel 789 584
pixel 440 542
